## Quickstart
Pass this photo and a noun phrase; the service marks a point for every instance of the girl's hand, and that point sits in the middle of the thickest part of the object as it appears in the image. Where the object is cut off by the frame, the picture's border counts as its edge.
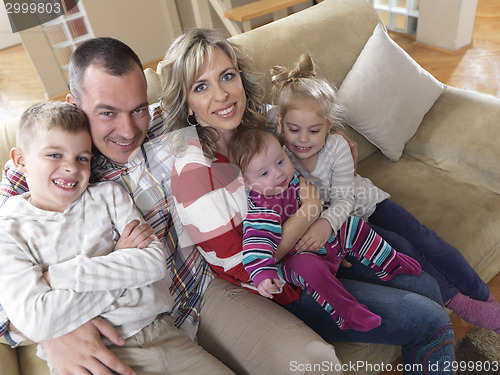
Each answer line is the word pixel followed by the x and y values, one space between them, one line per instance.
pixel 135 236
pixel 268 287
pixel 315 237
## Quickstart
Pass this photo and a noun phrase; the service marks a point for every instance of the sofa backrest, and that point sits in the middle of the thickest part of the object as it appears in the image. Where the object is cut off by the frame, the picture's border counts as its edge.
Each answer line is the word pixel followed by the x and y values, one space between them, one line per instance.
pixel 334 33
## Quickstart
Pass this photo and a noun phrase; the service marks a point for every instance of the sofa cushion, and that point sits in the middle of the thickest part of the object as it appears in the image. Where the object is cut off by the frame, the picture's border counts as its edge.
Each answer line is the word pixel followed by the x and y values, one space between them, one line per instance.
pixel 462 213
pixel 460 135
pixel 154 85
pixel 386 94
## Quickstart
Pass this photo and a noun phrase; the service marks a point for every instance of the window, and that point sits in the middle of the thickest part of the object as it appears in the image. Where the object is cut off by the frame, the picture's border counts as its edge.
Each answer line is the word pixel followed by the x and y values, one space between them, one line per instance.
pixel 67 32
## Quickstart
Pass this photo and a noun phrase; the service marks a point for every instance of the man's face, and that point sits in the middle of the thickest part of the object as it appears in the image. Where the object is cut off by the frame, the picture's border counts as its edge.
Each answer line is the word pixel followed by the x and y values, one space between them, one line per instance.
pixel 117 109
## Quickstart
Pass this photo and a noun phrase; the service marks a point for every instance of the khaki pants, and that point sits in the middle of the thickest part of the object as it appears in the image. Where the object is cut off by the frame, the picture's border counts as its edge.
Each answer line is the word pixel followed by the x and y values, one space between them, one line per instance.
pixel 161 349
pixel 253 335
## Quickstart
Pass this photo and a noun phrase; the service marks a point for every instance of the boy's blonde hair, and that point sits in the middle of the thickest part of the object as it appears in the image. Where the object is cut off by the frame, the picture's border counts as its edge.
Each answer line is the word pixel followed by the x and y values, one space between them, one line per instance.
pixel 183 64
pixel 291 86
pixel 45 116
pixel 246 144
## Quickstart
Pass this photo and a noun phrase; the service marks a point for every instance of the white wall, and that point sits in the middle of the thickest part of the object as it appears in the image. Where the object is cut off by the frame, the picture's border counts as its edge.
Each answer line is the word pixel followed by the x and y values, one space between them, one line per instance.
pixel 7 37
pixel 446 24
pixel 148 27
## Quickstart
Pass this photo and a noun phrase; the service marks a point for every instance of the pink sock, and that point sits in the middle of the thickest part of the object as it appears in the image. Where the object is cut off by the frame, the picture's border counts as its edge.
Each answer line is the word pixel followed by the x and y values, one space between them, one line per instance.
pixel 484 314
pixel 400 263
pixel 491 298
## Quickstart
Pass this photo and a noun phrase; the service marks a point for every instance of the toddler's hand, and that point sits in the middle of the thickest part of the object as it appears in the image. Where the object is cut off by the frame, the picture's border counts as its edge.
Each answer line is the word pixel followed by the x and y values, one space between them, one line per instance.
pixel 135 236
pixel 315 237
pixel 268 287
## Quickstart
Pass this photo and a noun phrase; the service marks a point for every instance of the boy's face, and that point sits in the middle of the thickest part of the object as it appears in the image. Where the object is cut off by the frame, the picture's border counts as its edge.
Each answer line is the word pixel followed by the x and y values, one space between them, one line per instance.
pixel 304 132
pixel 269 172
pixel 57 167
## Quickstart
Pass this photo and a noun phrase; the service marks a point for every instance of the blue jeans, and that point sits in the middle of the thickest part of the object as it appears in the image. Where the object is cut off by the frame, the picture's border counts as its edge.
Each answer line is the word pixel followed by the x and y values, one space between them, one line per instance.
pixel 411 311
pixel 438 258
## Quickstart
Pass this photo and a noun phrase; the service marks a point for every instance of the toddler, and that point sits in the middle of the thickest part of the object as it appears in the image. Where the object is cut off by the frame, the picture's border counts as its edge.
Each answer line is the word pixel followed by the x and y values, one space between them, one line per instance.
pixel 274 196
pixel 308 112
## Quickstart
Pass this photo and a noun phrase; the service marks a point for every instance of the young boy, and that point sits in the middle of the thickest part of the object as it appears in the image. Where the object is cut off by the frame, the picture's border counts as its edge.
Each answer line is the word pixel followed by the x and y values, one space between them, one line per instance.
pixel 275 196
pixel 73 251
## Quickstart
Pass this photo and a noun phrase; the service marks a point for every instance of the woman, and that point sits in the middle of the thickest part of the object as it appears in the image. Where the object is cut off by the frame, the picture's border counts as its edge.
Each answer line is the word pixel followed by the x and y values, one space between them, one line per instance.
pixel 210 89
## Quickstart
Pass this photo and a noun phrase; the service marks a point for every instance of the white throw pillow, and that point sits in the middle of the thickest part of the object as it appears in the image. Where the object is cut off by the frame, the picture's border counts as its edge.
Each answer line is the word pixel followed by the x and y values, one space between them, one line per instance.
pixel 386 94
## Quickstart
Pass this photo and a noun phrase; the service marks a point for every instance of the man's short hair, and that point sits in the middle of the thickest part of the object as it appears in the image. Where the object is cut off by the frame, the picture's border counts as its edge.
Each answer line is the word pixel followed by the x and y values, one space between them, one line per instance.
pixel 114 56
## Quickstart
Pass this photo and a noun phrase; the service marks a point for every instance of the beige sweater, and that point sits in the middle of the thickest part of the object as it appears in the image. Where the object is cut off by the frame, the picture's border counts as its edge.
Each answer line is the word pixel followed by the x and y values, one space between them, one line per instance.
pixel 88 278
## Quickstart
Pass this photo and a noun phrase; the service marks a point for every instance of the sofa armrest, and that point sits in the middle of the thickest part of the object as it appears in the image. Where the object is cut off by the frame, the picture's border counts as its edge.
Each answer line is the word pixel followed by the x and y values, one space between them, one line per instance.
pixel 460 134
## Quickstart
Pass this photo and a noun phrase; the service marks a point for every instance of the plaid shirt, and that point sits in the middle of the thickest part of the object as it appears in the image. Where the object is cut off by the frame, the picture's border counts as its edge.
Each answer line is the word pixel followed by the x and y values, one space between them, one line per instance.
pixel 147 179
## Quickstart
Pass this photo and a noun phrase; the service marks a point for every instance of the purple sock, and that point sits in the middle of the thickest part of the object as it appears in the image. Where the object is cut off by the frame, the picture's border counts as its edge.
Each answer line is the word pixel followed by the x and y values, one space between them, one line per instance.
pixel 484 314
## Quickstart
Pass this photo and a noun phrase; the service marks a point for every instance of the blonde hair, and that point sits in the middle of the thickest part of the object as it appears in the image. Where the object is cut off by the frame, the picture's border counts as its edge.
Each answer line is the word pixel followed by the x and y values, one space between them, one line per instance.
pixel 291 86
pixel 184 63
pixel 246 144
pixel 45 116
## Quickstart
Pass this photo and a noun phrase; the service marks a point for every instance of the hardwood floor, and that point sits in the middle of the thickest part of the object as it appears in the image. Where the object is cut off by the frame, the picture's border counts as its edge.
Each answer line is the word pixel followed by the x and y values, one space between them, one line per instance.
pixel 476 68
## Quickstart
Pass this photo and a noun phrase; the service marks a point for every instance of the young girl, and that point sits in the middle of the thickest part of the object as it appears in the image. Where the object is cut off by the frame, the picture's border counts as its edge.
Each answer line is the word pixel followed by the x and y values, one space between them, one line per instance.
pixel 275 196
pixel 307 115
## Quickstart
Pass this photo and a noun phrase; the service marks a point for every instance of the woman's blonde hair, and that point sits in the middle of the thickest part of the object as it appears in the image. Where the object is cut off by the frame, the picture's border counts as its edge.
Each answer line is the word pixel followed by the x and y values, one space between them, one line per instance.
pixel 184 63
pixel 291 86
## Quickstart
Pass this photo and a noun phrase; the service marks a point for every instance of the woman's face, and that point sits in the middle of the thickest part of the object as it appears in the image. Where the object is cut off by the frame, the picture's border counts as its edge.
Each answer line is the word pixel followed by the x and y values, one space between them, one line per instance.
pixel 217 97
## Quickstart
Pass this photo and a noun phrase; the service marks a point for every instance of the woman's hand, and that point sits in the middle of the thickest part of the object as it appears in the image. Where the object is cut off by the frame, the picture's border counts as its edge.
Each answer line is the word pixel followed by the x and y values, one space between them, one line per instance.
pixel 135 236
pixel 354 149
pixel 268 287
pixel 315 237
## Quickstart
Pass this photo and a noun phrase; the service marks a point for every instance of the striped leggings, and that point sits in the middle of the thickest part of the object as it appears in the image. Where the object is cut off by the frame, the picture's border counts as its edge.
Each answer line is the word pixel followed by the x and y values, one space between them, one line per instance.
pixel 316 271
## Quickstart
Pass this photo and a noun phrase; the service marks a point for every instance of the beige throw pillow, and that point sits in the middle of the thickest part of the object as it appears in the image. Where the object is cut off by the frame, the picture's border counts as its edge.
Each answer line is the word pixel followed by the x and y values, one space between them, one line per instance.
pixel 386 94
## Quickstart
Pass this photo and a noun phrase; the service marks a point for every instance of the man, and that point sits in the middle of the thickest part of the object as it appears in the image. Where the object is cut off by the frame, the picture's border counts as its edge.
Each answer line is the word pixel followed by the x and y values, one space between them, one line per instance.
pixel 113 95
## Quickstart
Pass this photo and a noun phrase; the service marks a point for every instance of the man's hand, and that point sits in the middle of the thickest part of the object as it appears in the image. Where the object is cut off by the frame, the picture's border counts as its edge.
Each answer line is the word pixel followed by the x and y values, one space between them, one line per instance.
pixel 315 237
pixel 82 351
pixel 135 236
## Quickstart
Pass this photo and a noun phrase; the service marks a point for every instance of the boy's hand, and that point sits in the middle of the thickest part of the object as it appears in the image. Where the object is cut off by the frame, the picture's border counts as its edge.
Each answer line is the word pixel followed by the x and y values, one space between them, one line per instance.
pixel 12 328
pixel 315 237
pixel 135 236
pixel 268 287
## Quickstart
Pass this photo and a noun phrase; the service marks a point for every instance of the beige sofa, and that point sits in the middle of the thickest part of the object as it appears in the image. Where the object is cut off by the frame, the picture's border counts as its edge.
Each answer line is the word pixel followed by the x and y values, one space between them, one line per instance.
pixel 448 175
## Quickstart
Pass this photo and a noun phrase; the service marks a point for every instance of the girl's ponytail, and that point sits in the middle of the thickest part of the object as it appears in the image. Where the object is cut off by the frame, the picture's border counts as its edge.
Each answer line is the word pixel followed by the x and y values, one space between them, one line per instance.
pixel 282 76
